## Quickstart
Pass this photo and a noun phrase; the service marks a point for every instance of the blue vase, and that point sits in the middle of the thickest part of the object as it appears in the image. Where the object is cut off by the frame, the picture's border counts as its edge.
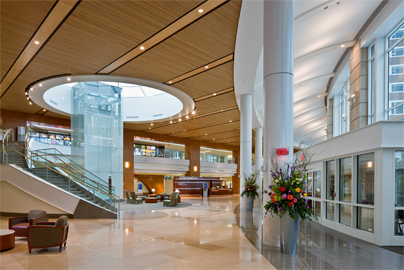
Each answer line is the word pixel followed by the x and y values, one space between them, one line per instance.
pixel 288 228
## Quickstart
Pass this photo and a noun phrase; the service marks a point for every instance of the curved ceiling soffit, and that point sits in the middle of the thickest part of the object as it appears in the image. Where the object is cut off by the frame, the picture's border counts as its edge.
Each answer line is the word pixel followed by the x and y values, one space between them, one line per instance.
pixel 242 71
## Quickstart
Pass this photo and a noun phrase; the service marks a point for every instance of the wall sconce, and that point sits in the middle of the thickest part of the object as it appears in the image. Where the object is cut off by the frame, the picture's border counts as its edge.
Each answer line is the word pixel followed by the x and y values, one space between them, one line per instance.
pixel 126 164
pixel 370 164
pixel 353 98
pixel 153 190
pixel 195 168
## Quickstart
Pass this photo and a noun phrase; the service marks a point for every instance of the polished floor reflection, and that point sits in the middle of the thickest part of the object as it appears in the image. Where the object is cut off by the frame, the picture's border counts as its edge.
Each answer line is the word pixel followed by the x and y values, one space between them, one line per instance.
pixel 202 236
pixel 318 247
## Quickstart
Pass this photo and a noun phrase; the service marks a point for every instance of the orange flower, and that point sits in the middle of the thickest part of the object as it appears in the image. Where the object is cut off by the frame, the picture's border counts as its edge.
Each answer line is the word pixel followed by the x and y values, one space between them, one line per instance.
pixel 290 197
pixel 290 203
pixel 294 200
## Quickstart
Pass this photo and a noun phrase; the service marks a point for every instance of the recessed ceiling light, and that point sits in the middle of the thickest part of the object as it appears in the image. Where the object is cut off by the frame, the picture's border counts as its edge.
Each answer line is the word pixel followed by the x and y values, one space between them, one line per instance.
pixel 214 94
pixel 40 84
pixel 151 124
pixel 179 120
pixel 26 93
pixel 187 117
pixel 342 46
pixel 36 42
pixel 193 112
pixel 221 110
pixel 200 10
pixel 142 48
pixel 27 97
pixel 213 139
pixel 44 110
pixel 68 79
pixel 206 134
pixel 206 66
pixel 230 120
pixel 171 122
pixel 30 103
pixel 32 89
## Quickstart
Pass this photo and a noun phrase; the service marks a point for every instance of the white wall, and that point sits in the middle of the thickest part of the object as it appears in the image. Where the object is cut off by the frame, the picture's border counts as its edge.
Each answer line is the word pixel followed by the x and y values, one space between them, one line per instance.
pixel 32 189
pixel 160 165
pixel 215 168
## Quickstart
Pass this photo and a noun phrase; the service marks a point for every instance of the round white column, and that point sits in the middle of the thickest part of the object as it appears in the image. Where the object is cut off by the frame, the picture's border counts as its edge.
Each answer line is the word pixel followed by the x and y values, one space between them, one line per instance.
pixel 258 163
pixel 245 137
pixel 278 90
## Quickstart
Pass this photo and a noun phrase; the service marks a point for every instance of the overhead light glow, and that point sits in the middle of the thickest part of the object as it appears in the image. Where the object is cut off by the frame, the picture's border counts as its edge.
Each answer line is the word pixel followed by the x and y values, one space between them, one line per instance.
pixel 179 120
pixel 206 66
pixel 200 10
pixel 214 94
pixel 26 93
pixel 44 110
pixel 193 112
pixel 170 82
pixel 142 48
pixel 32 89
pixel 69 79
pixel 40 84
pixel 151 124
pixel 370 164
pixel 36 42
pixel 342 46
pixel 319 96
pixel 187 117
pixel 27 97
pixel 171 122
pixel 30 103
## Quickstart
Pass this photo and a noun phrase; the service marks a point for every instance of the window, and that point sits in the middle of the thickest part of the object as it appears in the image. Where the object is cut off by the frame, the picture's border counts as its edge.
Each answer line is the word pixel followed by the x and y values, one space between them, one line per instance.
pixel 317 184
pixel 397 110
pixel 345 214
pixel 330 211
pixel 330 180
pixel 397 69
pixel 371 85
pixel 397 52
pixel 396 87
pixel 395 57
pixel 342 111
pixel 345 179
pixel 366 179
pixel 365 219
pixel 399 176
pixel 310 184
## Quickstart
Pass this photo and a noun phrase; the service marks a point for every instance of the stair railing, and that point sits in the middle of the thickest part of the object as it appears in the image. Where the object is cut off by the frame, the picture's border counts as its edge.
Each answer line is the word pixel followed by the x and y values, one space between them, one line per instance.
pixel 71 175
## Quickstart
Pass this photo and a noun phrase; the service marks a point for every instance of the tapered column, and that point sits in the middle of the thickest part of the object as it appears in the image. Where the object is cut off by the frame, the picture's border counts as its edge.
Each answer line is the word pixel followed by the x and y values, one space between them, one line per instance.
pixel 258 163
pixel 278 89
pixel 245 137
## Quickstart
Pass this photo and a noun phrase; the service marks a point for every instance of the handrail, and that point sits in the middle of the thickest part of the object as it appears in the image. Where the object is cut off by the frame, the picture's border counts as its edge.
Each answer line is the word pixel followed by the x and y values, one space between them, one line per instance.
pixel 76 171
pixel 32 153
pixel 111 195
pixel 72 161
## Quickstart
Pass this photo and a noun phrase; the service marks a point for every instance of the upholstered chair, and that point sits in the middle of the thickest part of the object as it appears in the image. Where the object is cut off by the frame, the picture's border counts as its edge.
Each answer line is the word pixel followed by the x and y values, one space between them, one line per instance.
pixel 172 201
pixel 128 199
pixel 135 199
pixel 48 234
pixel 20 224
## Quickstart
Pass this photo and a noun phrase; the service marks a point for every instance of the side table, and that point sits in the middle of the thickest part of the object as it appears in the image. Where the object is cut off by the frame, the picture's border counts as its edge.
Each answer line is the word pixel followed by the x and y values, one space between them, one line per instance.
pixel 7 239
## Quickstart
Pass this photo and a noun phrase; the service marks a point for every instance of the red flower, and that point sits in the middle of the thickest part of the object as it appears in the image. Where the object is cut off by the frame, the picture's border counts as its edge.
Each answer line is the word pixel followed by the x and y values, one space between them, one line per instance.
pixel 273 200
pixel 272 195
pixel 290 203
pixel 290 197
pixel 282 189
pixel 294 200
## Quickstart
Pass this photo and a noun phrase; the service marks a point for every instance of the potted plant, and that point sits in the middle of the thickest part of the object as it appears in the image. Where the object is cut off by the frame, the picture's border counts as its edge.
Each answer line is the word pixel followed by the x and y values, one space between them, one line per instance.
pixel 288 200
pixel 250 190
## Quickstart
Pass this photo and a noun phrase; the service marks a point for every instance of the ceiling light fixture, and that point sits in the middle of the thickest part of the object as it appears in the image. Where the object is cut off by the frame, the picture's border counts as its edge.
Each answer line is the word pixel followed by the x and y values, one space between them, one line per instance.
pixel 27 97
pixel 342 46
pixel 36 42
pixel 40 84
pixel 187 117
pixel 170 82
pixel 214 94
pixel 179 120
pixel 32 89
pixel 69 79
pixel 213 139
pixel 230 120
pixel 200 10
pixel 171 122
pixel 206 66
pixel 30 103
pixel 142 48
pixel 193 112
pixel 44 110
pixel 26 93
pixel 151 124
pixel 206 134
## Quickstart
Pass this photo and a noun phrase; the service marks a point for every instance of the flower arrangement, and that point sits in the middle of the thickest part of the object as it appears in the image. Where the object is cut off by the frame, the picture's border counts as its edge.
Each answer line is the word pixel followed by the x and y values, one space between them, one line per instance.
pixel 288 192
pixel 250 186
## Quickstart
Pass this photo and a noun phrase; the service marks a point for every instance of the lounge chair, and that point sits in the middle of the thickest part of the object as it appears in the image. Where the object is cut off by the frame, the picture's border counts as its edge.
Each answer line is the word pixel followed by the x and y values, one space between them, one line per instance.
pixel 171 202
pixel 20 224
pixel 128 199
pixel 135 199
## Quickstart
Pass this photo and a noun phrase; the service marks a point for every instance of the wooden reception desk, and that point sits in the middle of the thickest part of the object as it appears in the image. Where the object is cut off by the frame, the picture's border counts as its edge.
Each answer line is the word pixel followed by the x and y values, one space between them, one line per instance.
pixel 194 185
pixel 221 191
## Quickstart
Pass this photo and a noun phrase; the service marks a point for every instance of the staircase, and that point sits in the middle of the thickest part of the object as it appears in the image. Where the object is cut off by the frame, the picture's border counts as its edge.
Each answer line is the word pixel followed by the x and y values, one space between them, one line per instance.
pixel 57 174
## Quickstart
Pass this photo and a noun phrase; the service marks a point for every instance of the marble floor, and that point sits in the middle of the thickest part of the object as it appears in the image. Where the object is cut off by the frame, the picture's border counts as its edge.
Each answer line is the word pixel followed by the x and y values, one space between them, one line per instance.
pixel 202 236
pixel 210 234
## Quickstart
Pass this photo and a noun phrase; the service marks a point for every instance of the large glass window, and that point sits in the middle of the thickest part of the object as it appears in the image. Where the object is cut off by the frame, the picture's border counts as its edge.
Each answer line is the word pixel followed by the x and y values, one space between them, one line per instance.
pixel 371 85
pixel 345 179
pixel 342 111
pixel 345 214
pixel 366 178
pixel 395 55
pixel 317 183
pixel 310 184
pixel 330 211
pixel 317 208
pixel 365 219
pixel 399 176
pixel 330 180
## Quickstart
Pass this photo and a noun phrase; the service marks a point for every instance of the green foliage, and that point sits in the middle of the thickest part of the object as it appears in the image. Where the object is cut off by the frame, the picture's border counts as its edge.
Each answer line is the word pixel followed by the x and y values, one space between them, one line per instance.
pixel 250 186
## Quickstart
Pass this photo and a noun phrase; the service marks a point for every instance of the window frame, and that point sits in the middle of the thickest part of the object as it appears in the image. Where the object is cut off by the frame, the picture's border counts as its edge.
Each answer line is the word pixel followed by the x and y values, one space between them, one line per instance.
pixel 372 82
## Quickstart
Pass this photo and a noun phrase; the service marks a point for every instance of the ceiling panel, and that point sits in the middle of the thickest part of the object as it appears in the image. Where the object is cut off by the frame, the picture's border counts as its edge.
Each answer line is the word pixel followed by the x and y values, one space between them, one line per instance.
pixel 192 47
pixel 225 126
pixel 216 103
pixel 18 22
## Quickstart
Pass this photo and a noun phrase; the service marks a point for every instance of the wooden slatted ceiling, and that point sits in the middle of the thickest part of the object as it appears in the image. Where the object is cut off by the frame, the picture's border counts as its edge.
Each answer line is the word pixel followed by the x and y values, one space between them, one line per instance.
pixel 218 102
pixel 198 44
pixel 18 22
pixel 93 36
pixel 213 128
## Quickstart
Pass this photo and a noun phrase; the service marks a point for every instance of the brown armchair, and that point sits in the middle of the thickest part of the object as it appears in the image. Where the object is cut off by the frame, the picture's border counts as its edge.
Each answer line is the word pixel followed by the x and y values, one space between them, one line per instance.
pixel 20 224
pixel 48 234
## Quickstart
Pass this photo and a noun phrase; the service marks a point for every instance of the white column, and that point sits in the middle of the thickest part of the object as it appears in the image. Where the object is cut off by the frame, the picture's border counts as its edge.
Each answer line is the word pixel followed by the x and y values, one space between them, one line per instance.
pixel 245 137
pixel 258 163
pixel 278 90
